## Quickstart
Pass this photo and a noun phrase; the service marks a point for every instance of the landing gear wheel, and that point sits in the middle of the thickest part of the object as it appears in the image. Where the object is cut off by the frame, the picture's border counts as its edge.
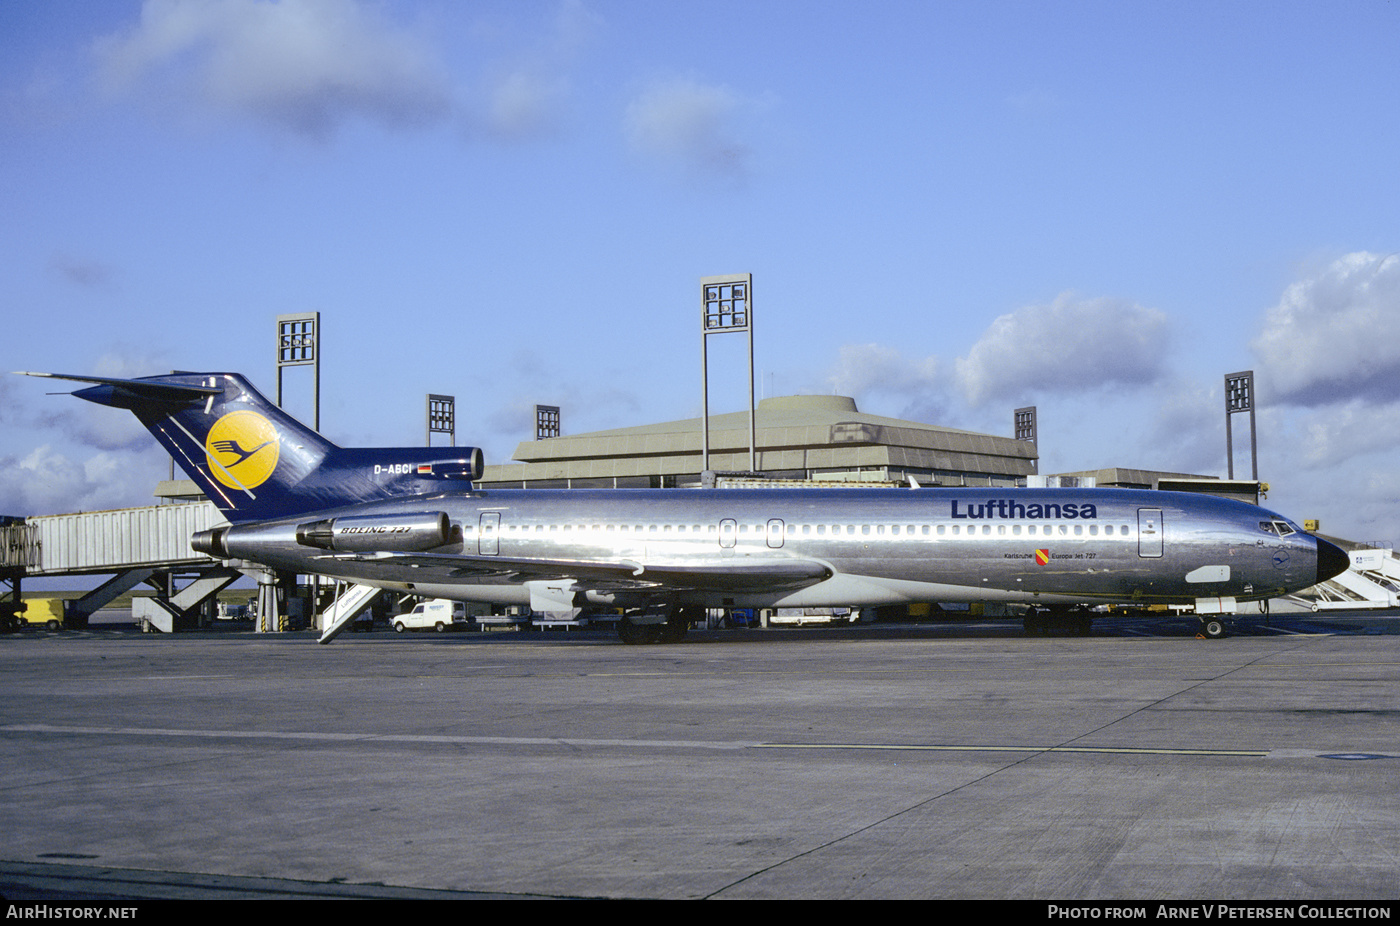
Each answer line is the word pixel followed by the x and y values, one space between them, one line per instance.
pixel 1212 628
pixel 676 626
pixel 634 634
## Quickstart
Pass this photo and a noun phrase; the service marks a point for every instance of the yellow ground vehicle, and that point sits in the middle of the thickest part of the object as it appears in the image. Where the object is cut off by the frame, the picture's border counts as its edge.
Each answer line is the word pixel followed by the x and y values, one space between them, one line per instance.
pixel 46 611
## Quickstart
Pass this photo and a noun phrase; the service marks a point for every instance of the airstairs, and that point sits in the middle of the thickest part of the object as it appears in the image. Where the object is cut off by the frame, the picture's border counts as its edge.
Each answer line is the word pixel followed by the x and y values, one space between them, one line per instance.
pixel 1373 581
pixel 351 600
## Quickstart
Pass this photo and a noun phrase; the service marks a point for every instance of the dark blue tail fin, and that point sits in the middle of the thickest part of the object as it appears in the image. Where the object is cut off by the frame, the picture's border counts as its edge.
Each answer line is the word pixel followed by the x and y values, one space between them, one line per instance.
pixel 255 461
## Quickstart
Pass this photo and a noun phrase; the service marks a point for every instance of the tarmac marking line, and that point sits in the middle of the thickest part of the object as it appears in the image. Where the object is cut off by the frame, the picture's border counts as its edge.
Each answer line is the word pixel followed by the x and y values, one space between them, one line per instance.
pixel 1121 750
pixel 371 737
pixel 575 741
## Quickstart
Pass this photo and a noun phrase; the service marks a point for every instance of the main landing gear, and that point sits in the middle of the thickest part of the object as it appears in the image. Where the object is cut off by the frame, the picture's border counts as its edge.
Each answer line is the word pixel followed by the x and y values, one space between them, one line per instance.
pixel 667 626
pixel 1040 621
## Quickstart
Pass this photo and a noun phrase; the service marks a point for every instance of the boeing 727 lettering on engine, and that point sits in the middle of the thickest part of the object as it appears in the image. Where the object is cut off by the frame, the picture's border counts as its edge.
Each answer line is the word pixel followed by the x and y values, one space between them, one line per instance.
pixel 411 520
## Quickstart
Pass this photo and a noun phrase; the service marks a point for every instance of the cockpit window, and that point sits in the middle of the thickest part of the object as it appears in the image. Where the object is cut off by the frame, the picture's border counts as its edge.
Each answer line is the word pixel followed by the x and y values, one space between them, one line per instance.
pixel 1281 528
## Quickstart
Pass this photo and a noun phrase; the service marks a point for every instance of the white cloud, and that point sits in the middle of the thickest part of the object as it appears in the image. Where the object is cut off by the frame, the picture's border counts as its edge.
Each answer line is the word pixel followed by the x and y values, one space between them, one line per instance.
pixel 1186 432
pixel 1071 345
pixel 1331 337
pixel 1069 348
pixel 1358 500
pixel 692 126
pixel 527 96
pixel 27 404
pixel 83 272
pixel 45 481
pixel 917 389
pixel 303 65
pixel 1338 433
pixel 862 368
pixel 525 104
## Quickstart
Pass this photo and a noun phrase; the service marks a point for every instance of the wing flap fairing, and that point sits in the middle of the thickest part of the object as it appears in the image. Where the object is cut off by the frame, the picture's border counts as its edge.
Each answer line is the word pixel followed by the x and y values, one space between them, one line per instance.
pixel 732 573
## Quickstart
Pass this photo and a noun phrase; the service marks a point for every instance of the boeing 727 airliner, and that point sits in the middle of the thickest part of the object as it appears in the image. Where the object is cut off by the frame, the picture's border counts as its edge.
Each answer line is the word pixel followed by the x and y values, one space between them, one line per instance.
pixel 410 519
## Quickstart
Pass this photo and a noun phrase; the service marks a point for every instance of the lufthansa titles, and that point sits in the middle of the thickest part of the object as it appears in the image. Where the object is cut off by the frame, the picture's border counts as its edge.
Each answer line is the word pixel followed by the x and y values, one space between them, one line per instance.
pixel 1010 509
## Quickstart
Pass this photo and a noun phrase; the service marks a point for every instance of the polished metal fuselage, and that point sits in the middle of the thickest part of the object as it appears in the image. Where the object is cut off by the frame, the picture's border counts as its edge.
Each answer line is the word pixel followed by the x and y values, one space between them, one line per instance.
pixel 859 547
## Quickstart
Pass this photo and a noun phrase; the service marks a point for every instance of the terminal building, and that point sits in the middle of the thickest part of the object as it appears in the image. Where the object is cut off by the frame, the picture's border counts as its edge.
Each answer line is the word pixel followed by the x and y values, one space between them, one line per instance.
pixel 801 438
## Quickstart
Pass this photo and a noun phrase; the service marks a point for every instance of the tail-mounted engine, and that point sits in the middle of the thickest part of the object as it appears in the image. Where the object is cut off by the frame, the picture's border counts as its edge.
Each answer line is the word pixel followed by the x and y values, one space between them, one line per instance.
pixel 369 533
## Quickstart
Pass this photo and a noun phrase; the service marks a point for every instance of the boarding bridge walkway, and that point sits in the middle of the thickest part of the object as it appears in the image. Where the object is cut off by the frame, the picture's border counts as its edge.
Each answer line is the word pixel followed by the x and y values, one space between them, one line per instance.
pixel 133 545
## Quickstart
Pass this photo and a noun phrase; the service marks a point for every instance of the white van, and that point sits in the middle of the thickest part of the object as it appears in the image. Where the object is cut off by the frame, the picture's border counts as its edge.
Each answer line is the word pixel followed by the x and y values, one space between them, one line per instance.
pixel 439 614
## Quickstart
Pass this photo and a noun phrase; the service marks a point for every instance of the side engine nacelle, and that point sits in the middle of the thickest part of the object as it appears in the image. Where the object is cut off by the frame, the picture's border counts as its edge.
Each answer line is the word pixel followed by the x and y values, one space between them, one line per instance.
pixel 369 533
pixel 405 533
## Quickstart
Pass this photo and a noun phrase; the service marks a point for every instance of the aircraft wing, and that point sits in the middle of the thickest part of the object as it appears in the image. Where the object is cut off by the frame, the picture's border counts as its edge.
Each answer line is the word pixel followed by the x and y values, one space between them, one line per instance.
pixel 731 573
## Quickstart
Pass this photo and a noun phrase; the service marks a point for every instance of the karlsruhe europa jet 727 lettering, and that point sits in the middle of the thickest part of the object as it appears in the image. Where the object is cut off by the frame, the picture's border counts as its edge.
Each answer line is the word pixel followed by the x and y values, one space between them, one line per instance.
pixel 411 520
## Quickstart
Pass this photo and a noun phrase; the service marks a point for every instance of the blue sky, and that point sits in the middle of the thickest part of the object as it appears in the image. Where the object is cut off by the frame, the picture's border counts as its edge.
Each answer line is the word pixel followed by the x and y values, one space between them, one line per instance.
pixel 950 209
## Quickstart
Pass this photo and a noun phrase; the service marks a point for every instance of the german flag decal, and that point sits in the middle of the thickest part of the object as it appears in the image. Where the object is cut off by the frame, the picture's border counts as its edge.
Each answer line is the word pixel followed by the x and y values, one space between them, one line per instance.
pixel 1042 557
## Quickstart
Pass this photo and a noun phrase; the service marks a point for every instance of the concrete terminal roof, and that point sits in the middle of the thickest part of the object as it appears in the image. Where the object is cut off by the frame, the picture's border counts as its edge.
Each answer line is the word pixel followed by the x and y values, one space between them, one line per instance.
pixel 1247 490
pixel 809 437
pixel 1123 478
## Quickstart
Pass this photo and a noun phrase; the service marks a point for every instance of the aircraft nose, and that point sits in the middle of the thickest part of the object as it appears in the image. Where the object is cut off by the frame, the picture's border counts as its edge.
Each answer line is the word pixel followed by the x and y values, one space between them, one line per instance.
pixel 1332 560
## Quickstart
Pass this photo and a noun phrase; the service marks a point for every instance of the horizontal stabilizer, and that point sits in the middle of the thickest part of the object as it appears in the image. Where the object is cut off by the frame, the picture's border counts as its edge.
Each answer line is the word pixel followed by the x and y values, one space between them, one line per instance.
pixel 125 393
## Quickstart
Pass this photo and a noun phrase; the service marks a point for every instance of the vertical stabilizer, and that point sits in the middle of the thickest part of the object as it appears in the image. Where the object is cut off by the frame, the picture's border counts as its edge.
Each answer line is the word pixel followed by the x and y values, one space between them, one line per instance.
pixel 254 461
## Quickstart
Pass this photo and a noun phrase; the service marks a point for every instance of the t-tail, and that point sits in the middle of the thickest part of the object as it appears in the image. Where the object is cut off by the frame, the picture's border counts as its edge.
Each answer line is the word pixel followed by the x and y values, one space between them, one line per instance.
pixel 254 461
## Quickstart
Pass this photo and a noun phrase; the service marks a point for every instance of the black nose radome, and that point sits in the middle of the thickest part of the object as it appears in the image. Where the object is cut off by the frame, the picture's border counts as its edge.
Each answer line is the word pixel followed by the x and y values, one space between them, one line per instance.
pixel 1332 560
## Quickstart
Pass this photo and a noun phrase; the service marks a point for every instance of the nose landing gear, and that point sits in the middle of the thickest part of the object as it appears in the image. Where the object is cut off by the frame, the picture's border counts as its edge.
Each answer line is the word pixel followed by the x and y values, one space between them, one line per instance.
pixel 1213 628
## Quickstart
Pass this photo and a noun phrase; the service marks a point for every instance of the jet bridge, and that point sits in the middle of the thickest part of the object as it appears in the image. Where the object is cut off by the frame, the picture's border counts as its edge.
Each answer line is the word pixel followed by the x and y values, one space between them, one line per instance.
pixel 133 545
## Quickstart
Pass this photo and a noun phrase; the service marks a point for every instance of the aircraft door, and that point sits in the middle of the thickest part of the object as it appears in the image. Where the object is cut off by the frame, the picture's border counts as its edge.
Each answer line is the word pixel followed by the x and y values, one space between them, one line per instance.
pixel 1149 532
pixel 775 533
pixel 489 540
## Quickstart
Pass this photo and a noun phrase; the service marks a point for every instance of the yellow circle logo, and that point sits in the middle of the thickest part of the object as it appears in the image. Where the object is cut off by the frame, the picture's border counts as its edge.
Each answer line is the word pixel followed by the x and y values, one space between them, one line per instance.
pixel 242 449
